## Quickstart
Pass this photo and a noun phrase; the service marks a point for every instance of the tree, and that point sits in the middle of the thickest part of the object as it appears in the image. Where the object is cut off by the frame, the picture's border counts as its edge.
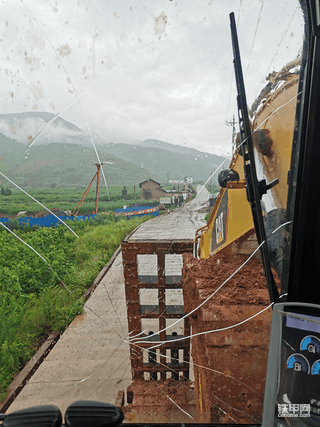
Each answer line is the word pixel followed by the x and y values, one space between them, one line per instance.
pixel 6 191
pixel 124 192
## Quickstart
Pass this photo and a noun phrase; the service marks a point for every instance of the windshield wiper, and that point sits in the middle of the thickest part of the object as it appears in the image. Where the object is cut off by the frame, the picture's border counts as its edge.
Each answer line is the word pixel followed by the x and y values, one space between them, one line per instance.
pixel 255 189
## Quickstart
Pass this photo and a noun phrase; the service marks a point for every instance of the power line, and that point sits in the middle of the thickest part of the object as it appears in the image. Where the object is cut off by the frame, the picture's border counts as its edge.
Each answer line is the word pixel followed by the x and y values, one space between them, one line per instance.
pixel 254 36
pixel 276 51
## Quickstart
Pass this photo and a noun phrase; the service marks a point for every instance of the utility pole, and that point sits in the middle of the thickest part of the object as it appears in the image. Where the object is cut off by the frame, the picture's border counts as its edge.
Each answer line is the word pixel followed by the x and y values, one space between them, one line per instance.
pixel 96 175
pixel 234 133
pixel 97 189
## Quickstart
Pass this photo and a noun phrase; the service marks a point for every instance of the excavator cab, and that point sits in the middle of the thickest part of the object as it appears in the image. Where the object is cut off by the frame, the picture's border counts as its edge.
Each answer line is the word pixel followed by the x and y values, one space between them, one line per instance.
pixel 274 168
pixel 292 393
pixel 288 234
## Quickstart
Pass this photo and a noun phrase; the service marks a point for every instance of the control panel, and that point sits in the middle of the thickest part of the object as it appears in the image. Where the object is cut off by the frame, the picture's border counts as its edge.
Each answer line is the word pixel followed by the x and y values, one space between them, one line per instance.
pixel 292 394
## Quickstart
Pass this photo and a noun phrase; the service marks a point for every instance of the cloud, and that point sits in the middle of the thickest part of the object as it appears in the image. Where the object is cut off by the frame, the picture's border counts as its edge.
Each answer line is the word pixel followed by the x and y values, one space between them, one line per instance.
pixel 143 69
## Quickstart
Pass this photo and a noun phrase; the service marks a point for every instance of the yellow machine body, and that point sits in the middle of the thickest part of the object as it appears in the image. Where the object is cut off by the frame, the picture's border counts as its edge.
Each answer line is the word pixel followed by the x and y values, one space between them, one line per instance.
pixel 273 118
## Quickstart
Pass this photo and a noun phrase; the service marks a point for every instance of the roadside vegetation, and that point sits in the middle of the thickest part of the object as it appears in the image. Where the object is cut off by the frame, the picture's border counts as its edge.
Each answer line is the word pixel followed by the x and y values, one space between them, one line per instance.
pixel 13 201
pixel 38 297
pixel 68 198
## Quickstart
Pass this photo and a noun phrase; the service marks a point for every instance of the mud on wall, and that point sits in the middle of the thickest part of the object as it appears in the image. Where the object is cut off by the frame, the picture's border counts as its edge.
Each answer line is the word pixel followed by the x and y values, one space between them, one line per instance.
pixel 229 366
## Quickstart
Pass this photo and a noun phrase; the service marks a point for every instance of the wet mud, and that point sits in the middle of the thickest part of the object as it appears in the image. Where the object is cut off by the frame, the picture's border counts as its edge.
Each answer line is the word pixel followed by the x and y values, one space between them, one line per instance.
pixel 162 401
pixel 229 365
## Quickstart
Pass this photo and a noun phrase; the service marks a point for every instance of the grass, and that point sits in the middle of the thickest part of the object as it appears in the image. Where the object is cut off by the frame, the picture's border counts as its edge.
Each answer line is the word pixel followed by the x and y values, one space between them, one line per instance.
pixel 67 199
pixel 38 297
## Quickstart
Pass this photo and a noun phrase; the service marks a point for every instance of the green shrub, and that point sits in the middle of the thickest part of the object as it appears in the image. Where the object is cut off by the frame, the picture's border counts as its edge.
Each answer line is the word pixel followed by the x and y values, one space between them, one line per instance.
pixel 37 296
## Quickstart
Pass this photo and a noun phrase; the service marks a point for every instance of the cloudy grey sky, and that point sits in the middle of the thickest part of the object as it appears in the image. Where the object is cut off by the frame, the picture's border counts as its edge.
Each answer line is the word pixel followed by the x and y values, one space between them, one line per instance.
pixel 129 70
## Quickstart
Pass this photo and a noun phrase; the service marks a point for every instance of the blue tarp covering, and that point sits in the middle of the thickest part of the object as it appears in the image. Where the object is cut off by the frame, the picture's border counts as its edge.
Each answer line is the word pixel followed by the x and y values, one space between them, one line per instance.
pixel 47 221
pixel 52 221
pixel 139 211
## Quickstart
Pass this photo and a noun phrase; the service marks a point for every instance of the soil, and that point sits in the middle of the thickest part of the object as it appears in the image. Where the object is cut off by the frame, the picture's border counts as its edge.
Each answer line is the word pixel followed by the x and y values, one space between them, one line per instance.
pixel 200 278
pixel 230 365
pixel 42 338
pixel 151 402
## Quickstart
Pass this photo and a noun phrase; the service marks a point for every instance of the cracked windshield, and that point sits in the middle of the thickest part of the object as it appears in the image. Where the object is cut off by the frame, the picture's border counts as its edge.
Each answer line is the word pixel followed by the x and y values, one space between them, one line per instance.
pixel 130 269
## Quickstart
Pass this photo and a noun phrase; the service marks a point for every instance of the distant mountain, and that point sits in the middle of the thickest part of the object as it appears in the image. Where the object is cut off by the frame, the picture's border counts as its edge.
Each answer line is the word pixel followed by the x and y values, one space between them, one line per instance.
pixel 63 165
pixel 171 147
pixel 167 160
pixel 24 127
pixel 63 155
pixel 10 151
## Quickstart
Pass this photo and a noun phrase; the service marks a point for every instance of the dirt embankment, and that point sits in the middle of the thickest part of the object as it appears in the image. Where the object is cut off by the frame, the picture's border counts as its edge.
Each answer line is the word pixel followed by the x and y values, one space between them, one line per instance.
pixel 230 365
pixel 164 401
pixel 38 214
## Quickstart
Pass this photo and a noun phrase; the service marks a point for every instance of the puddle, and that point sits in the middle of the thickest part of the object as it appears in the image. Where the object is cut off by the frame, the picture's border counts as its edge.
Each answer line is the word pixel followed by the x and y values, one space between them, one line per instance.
pixel 78 319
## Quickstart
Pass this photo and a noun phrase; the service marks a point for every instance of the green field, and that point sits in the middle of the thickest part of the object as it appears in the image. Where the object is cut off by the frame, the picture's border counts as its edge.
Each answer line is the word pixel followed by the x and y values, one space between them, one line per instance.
pixel 67 199
pixel 37 296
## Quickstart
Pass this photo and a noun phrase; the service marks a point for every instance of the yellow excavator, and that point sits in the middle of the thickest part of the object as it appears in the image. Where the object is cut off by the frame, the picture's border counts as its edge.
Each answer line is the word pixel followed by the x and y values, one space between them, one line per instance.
pixel 270 195
pixel 230 227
